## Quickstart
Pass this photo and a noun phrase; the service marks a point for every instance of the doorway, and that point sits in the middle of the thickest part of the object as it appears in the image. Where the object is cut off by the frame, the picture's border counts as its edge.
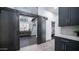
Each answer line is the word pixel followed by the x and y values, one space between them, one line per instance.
pixel 32 30
pixel 53 29
pixel 27 30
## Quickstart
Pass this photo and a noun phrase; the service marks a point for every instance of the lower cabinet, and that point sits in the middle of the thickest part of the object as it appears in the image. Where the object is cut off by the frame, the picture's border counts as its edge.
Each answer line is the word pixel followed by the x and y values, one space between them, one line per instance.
pixel 63 44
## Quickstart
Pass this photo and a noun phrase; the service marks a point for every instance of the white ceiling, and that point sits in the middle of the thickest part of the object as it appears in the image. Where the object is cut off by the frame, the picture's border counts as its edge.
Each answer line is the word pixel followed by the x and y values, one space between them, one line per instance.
pixel 51 9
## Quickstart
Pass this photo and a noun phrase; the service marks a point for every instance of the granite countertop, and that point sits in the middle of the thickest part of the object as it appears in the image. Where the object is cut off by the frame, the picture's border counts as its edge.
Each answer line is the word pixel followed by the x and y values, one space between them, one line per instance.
pixel 68 37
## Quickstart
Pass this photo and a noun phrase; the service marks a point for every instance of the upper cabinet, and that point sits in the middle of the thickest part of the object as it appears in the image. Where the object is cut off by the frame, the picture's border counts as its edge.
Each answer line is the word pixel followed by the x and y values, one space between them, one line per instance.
pixel 68 16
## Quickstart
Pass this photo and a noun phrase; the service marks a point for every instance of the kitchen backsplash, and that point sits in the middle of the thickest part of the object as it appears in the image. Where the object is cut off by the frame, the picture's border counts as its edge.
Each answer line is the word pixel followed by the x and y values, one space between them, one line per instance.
pixel 68 30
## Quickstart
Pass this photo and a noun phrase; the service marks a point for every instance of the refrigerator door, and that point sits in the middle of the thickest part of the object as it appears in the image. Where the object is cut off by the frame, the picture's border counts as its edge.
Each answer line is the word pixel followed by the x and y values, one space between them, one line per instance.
pixel 9 31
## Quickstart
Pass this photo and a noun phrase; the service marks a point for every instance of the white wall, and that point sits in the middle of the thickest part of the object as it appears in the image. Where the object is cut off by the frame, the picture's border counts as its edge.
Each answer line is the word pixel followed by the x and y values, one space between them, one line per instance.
pixel 68 30
pixel 57 28
pixel 50 16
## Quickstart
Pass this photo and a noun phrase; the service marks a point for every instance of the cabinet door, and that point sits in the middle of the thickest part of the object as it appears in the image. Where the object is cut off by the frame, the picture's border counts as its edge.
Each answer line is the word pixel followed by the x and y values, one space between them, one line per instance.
pixel 64 16
pixel 62 44
pixel 9 30
pixel 13 31
pixel 73 15
pixel 59 44
pixel 72 46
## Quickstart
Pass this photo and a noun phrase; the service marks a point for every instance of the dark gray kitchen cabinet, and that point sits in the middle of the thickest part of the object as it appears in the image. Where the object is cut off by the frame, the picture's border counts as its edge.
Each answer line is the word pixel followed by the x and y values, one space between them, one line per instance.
pixel 63 44
pixel 74 15
pixel 9 28
pixel 68 16
pixel 63 16
pixel 59 44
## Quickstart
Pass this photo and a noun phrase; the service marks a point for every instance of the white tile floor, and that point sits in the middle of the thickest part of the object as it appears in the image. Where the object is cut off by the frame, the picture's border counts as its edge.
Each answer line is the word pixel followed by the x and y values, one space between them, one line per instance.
pixel 48 46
